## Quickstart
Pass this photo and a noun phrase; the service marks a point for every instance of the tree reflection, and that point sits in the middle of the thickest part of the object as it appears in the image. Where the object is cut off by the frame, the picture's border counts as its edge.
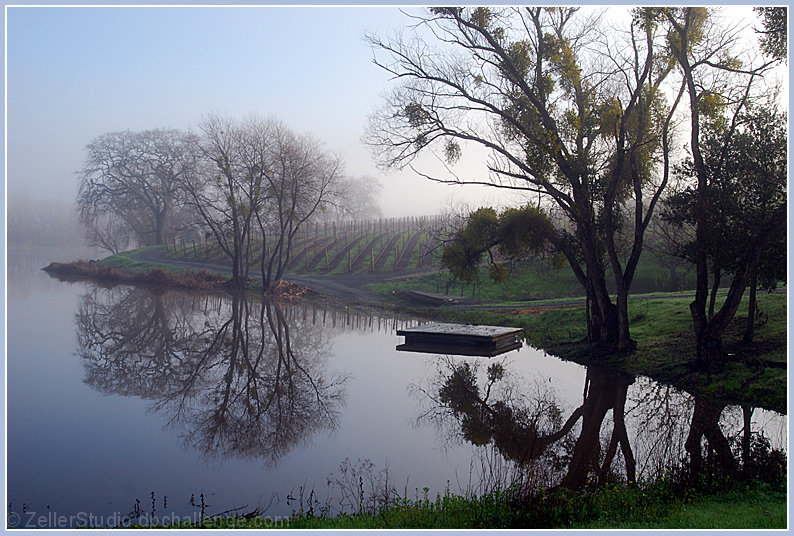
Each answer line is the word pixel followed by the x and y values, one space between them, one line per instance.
pixel 604 391
pixel 240 378
pixel 529 427
pixel 705 425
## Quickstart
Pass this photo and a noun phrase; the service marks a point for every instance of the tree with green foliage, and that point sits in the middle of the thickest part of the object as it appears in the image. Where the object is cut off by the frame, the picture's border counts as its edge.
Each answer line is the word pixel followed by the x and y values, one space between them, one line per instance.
pixel 747 184
pixel 568 112
pixel 723 139
pixel 516 233
pixel 774 36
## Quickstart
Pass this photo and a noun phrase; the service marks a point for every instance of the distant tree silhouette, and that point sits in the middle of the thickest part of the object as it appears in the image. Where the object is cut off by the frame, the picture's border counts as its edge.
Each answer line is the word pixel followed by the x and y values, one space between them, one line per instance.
pixel 130 182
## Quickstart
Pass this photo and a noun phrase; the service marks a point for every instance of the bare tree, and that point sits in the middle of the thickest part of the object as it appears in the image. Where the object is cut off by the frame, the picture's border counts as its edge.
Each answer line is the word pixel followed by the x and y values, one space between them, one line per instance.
pixel 301 180
pixel 226 189
pixel 106 231
pixel 258 183
pixel 133 177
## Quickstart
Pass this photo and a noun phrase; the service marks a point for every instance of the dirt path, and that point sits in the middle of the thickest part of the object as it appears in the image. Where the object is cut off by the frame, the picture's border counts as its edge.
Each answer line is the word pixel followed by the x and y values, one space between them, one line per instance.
pixel 352 288
pixel 345 288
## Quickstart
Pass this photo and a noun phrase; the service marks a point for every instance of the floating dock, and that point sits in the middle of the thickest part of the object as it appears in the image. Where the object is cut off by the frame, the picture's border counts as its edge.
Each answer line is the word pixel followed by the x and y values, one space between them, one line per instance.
pixel 460 339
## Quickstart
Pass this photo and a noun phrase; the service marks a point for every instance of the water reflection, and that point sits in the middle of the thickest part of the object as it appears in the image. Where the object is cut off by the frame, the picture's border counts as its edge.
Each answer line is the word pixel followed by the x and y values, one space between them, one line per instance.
pixel 618 421
pixel 238 378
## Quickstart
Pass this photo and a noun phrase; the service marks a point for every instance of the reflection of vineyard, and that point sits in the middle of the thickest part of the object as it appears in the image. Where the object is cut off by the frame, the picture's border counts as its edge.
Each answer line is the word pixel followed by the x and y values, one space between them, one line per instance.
pixel 239 377
pixel 367 246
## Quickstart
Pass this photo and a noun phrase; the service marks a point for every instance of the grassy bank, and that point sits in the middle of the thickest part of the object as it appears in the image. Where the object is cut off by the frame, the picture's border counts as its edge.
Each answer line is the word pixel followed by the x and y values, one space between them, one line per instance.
pixel 656 505
pixel 662 328
pixel 665 345
pixel 534 281
pixel 109 274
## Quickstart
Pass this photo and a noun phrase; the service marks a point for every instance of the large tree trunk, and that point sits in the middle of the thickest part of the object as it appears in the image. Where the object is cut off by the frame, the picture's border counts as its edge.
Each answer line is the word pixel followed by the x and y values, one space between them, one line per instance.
pixel 604 313
pixel 715 285
pixel 711 355
pixel 625 342
pixel 159 226
pixel 749 330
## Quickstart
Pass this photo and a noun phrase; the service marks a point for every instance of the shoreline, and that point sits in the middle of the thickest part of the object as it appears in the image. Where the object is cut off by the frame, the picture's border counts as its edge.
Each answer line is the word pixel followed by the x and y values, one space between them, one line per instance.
pixel 665 352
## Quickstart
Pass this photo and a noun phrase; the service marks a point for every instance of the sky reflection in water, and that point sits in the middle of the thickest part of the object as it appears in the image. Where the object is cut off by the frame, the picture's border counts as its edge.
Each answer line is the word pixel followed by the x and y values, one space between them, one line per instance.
pixel 115 393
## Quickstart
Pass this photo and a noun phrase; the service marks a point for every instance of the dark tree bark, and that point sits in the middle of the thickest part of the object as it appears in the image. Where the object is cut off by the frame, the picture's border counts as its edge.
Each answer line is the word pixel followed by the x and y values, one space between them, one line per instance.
pixel 749 330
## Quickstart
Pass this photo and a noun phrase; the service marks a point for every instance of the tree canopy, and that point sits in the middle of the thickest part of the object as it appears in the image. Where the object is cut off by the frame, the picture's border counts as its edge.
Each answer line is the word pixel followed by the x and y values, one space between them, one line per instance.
pixel 130 181
pixel 722 89
pixel 774 35
pixel 515 233
pixel 259 182
pixel 567 111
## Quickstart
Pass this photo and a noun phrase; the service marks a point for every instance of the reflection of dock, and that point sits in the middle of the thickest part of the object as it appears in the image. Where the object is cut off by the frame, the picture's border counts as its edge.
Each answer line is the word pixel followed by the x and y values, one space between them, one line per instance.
pixel 460 339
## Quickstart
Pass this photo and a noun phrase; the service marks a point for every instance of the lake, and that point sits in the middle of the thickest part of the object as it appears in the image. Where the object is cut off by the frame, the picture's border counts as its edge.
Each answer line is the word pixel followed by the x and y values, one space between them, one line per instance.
pixel 124 404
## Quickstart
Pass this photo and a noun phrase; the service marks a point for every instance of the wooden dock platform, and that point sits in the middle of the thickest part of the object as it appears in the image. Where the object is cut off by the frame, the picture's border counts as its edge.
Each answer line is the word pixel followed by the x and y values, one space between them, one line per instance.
pixel 460 339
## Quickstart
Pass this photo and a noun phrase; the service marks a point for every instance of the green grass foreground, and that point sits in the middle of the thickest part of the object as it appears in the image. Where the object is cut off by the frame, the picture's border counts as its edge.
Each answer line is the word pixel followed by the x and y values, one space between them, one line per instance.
pixel 656 505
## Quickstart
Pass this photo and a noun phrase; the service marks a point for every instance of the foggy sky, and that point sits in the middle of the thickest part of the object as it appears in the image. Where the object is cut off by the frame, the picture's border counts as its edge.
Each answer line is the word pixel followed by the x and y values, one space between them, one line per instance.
pixel 74 73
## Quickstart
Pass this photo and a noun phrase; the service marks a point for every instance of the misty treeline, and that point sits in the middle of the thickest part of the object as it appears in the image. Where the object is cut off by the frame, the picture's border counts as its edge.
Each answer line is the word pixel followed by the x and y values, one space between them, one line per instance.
pixel 247 184
pixel 588 118
pixel 41 222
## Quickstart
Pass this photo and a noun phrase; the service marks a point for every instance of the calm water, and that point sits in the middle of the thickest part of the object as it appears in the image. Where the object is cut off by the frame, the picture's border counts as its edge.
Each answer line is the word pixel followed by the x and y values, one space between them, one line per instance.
pixel 117 393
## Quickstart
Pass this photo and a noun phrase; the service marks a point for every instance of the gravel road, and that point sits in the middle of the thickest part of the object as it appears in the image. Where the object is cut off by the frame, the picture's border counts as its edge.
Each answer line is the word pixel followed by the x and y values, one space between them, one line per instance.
pixel 345 288
pixel 351 289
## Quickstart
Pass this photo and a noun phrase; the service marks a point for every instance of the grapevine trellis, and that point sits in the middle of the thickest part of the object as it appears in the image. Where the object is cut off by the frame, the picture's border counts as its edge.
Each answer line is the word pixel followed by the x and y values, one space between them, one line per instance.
pixel 384 245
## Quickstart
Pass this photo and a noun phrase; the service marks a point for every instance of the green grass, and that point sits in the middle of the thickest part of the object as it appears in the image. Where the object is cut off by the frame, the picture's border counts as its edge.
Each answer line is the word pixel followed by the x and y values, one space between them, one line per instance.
pixel 125 261
pixel 755 506
pixel 530 281
pixel 655 505
pixel 526 284
pixel 665 345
